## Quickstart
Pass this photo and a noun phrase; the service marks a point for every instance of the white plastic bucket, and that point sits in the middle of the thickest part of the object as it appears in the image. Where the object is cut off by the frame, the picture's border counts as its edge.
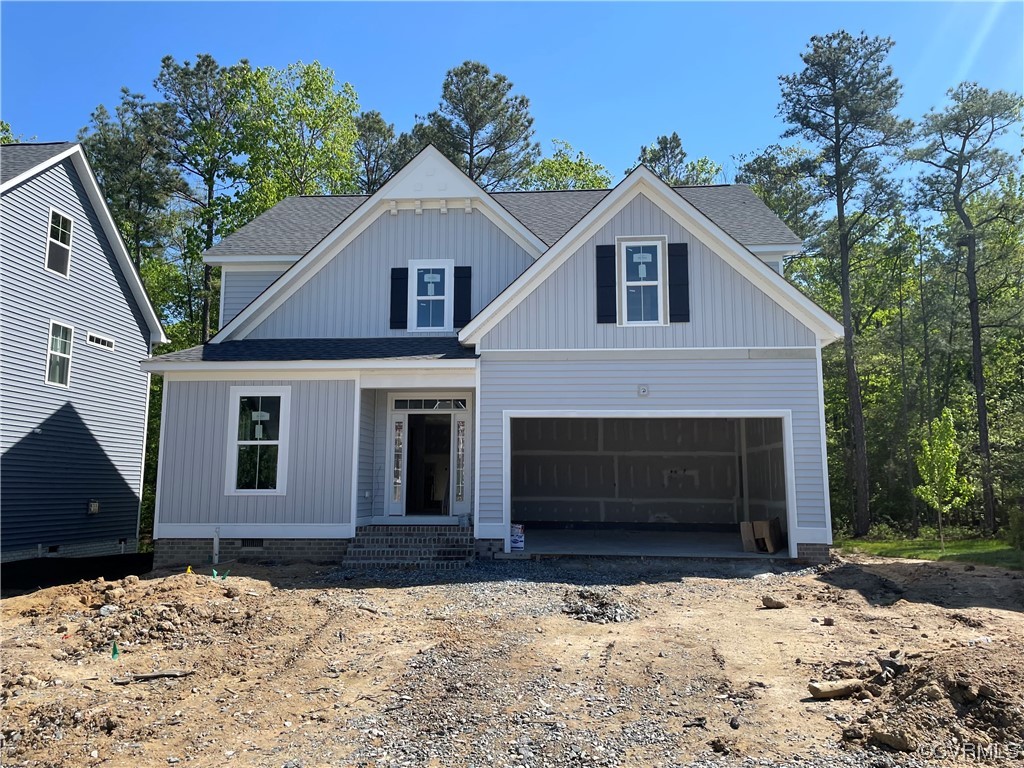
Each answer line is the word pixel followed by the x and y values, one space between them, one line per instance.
pixel 518 543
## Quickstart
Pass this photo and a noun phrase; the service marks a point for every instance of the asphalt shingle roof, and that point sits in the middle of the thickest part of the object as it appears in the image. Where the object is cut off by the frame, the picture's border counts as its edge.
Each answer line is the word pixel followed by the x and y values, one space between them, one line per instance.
pixel 285 350
pixel 296 224
pixel 15 159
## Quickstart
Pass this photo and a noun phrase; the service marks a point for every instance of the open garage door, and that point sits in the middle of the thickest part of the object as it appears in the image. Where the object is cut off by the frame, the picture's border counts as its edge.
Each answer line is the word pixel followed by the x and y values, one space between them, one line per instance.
pixel 647 474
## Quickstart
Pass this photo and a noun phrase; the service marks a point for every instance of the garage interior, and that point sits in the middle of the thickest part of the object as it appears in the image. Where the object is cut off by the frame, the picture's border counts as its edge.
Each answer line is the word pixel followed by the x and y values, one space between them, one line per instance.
pixel 674 487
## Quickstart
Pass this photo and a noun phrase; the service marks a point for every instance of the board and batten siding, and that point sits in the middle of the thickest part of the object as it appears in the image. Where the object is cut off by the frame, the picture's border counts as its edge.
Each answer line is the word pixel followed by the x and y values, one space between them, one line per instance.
pixel 64 446
pixel 194 454
pixel 674 385
pixel 239 287
pixel 367 449
pixel 350 296
pixel 726 309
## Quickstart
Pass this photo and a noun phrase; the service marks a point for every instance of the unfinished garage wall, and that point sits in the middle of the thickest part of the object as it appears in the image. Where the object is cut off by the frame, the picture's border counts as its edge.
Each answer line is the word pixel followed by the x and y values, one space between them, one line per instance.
pixel 765 468
pixel 666 471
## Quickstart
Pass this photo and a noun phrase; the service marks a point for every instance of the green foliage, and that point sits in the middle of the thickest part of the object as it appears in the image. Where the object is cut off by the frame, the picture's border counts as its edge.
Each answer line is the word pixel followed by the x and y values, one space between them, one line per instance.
pixel 296 128
pixel 991 552
pixel 786 179
pixel 667 158
pixel 567 169
pixel 131 156
pixel 481 127
pixel 374 151
pixel 942 486
pixel 6 134
pixel 1015 529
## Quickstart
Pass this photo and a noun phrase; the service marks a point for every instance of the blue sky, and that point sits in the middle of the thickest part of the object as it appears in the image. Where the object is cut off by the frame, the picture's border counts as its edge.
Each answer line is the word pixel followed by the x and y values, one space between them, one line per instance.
pixel 607 77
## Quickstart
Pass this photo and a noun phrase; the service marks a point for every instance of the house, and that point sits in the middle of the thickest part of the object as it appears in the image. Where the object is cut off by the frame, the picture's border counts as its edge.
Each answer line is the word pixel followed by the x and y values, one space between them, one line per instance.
pixel 74 323
pixel 434 363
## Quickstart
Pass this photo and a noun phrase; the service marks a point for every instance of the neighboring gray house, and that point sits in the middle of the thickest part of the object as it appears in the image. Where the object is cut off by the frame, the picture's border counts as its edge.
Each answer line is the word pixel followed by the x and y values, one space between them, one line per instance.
pixel 595 365
pixel 74 323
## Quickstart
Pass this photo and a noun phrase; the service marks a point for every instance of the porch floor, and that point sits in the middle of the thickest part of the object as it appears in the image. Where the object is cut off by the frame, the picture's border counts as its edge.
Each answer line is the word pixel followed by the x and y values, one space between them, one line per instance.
pixel 627 543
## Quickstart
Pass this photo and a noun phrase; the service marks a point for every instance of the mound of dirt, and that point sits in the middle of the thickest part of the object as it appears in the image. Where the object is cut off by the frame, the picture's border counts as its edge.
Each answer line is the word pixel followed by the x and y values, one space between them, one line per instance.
pixel 958 697
pixel 599 606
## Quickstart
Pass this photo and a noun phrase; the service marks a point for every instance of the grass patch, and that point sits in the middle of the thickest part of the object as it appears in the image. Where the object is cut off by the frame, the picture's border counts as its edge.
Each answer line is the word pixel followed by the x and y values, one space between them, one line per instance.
pixel 981 551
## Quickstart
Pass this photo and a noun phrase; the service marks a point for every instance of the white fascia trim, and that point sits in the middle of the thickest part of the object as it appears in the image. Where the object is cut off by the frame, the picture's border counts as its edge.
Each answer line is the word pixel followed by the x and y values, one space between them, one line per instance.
pixel 826 494
pixel 255 531
pixel 252 262
pixel 131 276
pixel 161 462
pixel 157 366
pixel 37 169
pixel 99 204
pixel 347 231
pixel 643 181
pixel 775 251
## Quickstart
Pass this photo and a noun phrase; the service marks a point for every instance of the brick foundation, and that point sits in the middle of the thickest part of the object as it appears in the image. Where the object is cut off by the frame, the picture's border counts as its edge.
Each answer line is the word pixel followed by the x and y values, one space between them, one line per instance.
pixel 813 553
pixel 86 549
pixel 169 552
pixel 485 548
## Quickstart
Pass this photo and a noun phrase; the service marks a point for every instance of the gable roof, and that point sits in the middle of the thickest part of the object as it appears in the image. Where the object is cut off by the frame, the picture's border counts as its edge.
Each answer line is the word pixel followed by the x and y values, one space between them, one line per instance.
pixel 296 224
pixel 725 245
pixel 16 159
pixel 29 160
pixel 428 180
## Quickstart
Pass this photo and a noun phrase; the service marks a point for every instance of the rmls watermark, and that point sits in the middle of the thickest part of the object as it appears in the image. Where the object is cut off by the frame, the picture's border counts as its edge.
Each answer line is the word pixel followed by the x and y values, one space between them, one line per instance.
pixel 972 752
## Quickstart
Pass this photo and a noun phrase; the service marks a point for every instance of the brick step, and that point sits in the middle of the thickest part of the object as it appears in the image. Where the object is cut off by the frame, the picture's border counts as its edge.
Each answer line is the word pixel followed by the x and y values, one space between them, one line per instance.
pixel 405 529
pixel 408 553
pixel 377 541
pixel 420 565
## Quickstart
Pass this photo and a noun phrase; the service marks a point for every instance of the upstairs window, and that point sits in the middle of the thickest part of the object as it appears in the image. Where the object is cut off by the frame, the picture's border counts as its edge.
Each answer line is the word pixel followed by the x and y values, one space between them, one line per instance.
pixel 58 244
pixel 430 295
pixel 58 356
pixel 642 270
pixel 258 440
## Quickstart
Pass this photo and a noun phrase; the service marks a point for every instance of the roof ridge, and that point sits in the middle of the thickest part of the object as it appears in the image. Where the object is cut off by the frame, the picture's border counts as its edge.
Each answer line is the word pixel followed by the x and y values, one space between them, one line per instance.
pixel 36 143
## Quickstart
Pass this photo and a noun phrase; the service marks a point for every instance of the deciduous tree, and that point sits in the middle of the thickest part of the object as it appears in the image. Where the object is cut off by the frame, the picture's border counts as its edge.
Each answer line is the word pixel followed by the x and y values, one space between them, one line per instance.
pixel 566 168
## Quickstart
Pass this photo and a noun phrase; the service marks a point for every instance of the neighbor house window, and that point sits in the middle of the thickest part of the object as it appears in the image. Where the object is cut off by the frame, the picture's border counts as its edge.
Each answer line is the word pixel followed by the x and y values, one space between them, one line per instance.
pixel 642 268
pixel 258 445
pixel 58 356
pixel 58 244
pixel 430 295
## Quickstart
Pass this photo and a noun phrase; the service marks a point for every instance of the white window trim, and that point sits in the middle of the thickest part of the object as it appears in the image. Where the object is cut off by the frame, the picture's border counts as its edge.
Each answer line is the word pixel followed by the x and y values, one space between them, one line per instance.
pixel 49 351
pixel 448 265
pixel 231 465
pixel 661 241
pixel 93 339
pixel 70 246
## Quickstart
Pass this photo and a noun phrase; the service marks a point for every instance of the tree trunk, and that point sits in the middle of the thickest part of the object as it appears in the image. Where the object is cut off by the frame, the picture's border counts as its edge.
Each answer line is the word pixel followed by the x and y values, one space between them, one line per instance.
pixel 915 516
pixel 207 269
pixel 861 511
pixel 979 386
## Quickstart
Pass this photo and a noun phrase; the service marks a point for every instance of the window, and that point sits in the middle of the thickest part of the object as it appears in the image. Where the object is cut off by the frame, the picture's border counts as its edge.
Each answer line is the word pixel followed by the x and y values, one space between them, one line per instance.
pixel 642 267
pixel 58 244
pixel 430 295
pixel 258 440
pixel 58 357
pixel 99 341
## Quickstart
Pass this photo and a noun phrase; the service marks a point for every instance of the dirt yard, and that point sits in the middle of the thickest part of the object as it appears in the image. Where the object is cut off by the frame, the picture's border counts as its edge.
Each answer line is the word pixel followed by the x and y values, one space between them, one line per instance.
pixel 553 663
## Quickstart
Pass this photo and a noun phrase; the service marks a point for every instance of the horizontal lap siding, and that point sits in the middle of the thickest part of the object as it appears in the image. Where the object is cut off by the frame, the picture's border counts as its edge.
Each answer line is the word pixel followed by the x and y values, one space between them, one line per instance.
pixel 674 385
pixel 350 296
pixel 195 454
pixel 240 287
pixel 90 436
pixel 726 309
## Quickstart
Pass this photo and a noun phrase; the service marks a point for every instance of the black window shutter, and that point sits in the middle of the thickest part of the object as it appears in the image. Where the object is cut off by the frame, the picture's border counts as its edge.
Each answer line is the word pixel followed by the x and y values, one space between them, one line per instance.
pixel 399 297
pixel 606 284
pixel 678 283
pixel 463 308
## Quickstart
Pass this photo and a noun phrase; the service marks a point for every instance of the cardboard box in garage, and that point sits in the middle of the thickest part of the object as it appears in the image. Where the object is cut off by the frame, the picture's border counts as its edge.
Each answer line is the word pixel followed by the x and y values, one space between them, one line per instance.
pixel 762 536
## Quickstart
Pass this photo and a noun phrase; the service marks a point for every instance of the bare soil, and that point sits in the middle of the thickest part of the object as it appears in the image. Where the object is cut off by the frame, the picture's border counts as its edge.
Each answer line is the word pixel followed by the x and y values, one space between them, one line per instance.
pixel 572 662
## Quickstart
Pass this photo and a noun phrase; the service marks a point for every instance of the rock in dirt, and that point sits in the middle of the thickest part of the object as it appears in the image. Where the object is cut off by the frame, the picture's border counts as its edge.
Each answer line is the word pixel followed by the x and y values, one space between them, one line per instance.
pixel 900 740
pixel 835 689
pixel 600 606
pixel 770 602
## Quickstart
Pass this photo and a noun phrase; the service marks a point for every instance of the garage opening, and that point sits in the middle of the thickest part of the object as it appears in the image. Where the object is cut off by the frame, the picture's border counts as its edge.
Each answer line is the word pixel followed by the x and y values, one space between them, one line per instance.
pixel 672 486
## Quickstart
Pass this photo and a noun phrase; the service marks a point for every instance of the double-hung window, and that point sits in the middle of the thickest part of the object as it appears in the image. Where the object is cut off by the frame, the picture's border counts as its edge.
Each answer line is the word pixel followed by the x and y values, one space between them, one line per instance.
pixel 430 295
pixel 58 356
pixel 257 460
pixel 58 244
pixel 642 271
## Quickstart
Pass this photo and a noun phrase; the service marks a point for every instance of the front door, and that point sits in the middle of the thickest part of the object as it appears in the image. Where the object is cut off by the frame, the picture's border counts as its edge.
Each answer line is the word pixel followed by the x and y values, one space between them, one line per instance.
pixel 428 461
